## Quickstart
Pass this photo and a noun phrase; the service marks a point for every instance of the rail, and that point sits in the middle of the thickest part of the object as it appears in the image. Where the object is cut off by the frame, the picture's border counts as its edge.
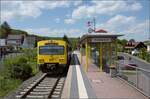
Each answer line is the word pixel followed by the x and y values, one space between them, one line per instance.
pixel 135 76
pixel 45 87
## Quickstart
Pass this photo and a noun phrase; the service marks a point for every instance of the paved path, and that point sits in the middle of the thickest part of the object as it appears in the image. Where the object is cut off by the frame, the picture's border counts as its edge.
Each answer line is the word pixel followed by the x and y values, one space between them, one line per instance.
pixel 107 87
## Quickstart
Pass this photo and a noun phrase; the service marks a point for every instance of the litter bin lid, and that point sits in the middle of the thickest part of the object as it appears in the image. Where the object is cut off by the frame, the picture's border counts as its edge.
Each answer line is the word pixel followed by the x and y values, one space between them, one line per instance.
pixel 112 67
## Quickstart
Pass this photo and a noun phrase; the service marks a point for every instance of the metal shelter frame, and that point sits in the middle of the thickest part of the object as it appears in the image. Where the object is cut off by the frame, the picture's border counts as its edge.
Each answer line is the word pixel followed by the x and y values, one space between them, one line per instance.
pixel 105 42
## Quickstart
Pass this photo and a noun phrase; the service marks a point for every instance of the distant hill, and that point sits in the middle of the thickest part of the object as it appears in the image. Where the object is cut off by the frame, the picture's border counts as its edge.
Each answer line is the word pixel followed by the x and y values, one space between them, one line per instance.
pixel 14 31
pixel 73 41
pixel 5 30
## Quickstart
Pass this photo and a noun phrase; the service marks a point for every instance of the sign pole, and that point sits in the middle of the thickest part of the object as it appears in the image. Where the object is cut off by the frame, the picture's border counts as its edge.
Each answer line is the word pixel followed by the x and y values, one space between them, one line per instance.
pixel 81 54
pixel 86 56
pixel 100 56
pixel 94 21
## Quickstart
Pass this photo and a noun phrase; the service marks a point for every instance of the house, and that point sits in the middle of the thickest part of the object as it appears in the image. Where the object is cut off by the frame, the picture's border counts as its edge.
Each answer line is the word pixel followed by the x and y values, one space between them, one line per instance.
pixel 148 46
pixel 2 47
pixel 15 40
pixel 29 41
pixel 2 42
pixel 134 46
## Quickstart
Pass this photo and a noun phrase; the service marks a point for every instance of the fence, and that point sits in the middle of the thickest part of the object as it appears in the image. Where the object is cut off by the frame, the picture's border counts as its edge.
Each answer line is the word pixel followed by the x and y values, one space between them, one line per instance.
pixel 11 55
pixel 135 76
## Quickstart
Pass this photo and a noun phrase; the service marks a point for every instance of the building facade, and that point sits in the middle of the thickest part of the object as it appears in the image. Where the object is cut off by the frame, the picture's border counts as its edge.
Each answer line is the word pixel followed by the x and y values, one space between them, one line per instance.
pixel 30 41
pixel 15 41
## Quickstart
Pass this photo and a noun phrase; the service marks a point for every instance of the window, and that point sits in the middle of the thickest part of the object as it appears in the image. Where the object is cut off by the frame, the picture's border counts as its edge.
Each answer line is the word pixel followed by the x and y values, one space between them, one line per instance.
pixel 51 50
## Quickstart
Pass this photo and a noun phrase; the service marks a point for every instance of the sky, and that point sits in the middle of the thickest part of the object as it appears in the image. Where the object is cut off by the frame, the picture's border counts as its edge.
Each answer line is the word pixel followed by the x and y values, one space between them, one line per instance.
pixel 56 18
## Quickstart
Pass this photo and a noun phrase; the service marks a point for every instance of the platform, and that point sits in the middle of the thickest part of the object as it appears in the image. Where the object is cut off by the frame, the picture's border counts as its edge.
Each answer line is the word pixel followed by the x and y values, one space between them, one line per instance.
pixel 77 84
pixel 95 84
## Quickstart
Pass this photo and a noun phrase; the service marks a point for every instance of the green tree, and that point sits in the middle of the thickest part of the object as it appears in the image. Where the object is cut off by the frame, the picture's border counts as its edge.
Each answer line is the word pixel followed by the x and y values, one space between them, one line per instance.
pixel 124 42
pixel 65 38
pixel 143 53
pixel 5 25
pixel 121 44
pixel 131 40
pixel 2 32
pixel 5 29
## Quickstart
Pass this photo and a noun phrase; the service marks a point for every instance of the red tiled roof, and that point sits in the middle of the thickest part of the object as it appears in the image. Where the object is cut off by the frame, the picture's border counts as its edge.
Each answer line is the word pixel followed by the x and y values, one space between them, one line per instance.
pixel 133 44
pixel 100 31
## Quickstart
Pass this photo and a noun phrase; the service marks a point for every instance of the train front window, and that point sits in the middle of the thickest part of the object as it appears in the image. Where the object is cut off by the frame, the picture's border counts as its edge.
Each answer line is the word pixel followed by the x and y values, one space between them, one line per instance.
pixel 51 50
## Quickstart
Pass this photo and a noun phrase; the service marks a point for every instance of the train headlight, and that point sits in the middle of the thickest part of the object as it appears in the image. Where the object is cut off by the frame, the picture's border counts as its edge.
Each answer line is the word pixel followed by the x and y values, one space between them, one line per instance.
pixel 41 60
pixel 61 60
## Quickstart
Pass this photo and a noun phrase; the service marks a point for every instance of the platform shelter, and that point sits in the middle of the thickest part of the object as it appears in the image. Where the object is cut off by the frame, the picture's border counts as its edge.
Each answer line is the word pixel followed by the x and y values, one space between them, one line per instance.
pixel 101 47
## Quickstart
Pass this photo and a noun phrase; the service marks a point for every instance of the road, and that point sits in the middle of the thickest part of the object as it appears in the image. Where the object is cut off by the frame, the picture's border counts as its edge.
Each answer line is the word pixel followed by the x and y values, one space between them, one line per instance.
pixel 141 63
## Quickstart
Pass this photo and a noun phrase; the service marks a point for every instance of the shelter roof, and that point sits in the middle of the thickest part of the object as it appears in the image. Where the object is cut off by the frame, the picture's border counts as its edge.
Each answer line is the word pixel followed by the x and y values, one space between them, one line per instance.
pixel 99 35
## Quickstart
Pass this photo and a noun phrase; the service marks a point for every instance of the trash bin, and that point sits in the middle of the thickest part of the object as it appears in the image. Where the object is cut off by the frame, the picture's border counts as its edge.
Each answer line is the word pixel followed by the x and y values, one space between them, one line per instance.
pixel 113 71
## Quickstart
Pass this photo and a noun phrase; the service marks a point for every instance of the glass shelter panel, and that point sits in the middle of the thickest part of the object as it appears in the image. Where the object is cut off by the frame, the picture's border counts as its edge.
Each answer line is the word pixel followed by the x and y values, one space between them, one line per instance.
pixel 108 53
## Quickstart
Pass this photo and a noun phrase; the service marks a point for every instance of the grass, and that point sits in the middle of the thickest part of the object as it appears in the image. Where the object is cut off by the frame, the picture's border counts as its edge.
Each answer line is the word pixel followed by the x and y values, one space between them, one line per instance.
pixel 143 54
pixel 147 57
pixel 129 72
pixel 7 85
pixel 34 67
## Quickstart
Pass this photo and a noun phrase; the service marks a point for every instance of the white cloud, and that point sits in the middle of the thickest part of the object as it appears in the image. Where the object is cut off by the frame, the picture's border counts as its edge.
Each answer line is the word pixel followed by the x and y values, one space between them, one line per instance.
pixel 7 15
pixel 121 19
pixel 76 3
pixel 21 9
pixel 15 9
pixel 55 4
pixel 140 28
pixel 54 32
pixel 104 8
pixel 118 23
pixel 136 6
pixel 129 26
pixel 79 12
pixel 69 21
pixel 139 31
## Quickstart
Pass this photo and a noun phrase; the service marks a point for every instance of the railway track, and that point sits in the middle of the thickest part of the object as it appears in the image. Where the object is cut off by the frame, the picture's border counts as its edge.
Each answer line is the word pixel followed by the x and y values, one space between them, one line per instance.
pixel 45 87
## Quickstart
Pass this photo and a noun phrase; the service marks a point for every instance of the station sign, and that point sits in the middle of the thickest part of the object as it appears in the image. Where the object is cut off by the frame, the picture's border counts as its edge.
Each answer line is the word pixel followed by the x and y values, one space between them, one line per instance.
pixel 95 40
pixel 90 30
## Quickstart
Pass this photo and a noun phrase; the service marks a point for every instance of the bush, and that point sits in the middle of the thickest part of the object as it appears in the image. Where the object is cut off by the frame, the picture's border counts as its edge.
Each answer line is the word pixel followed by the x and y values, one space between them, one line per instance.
pixel 18 68
pixel 22 71
pixel 8 63
pixel 22 60
pixel 30 54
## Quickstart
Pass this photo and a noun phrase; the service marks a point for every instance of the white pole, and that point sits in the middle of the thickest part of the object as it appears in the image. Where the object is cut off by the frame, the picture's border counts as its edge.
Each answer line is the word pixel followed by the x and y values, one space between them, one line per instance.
pixel 94 24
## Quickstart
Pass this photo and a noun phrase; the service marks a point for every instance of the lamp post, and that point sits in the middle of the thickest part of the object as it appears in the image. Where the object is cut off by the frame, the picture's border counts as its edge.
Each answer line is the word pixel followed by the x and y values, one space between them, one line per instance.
pixel 91 28
pixel 94 24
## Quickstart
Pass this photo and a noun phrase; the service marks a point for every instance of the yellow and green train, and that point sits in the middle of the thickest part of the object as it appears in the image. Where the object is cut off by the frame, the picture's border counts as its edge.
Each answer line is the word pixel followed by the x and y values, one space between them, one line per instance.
pixel 53 55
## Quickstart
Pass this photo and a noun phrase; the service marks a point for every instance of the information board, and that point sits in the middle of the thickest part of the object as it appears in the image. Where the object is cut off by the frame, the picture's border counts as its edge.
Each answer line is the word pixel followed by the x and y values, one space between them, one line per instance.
pixel 101 40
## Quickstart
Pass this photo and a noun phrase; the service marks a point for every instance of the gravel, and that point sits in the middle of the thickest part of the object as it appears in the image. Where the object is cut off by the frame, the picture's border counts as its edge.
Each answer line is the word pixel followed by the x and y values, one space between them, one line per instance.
pixel 12 95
